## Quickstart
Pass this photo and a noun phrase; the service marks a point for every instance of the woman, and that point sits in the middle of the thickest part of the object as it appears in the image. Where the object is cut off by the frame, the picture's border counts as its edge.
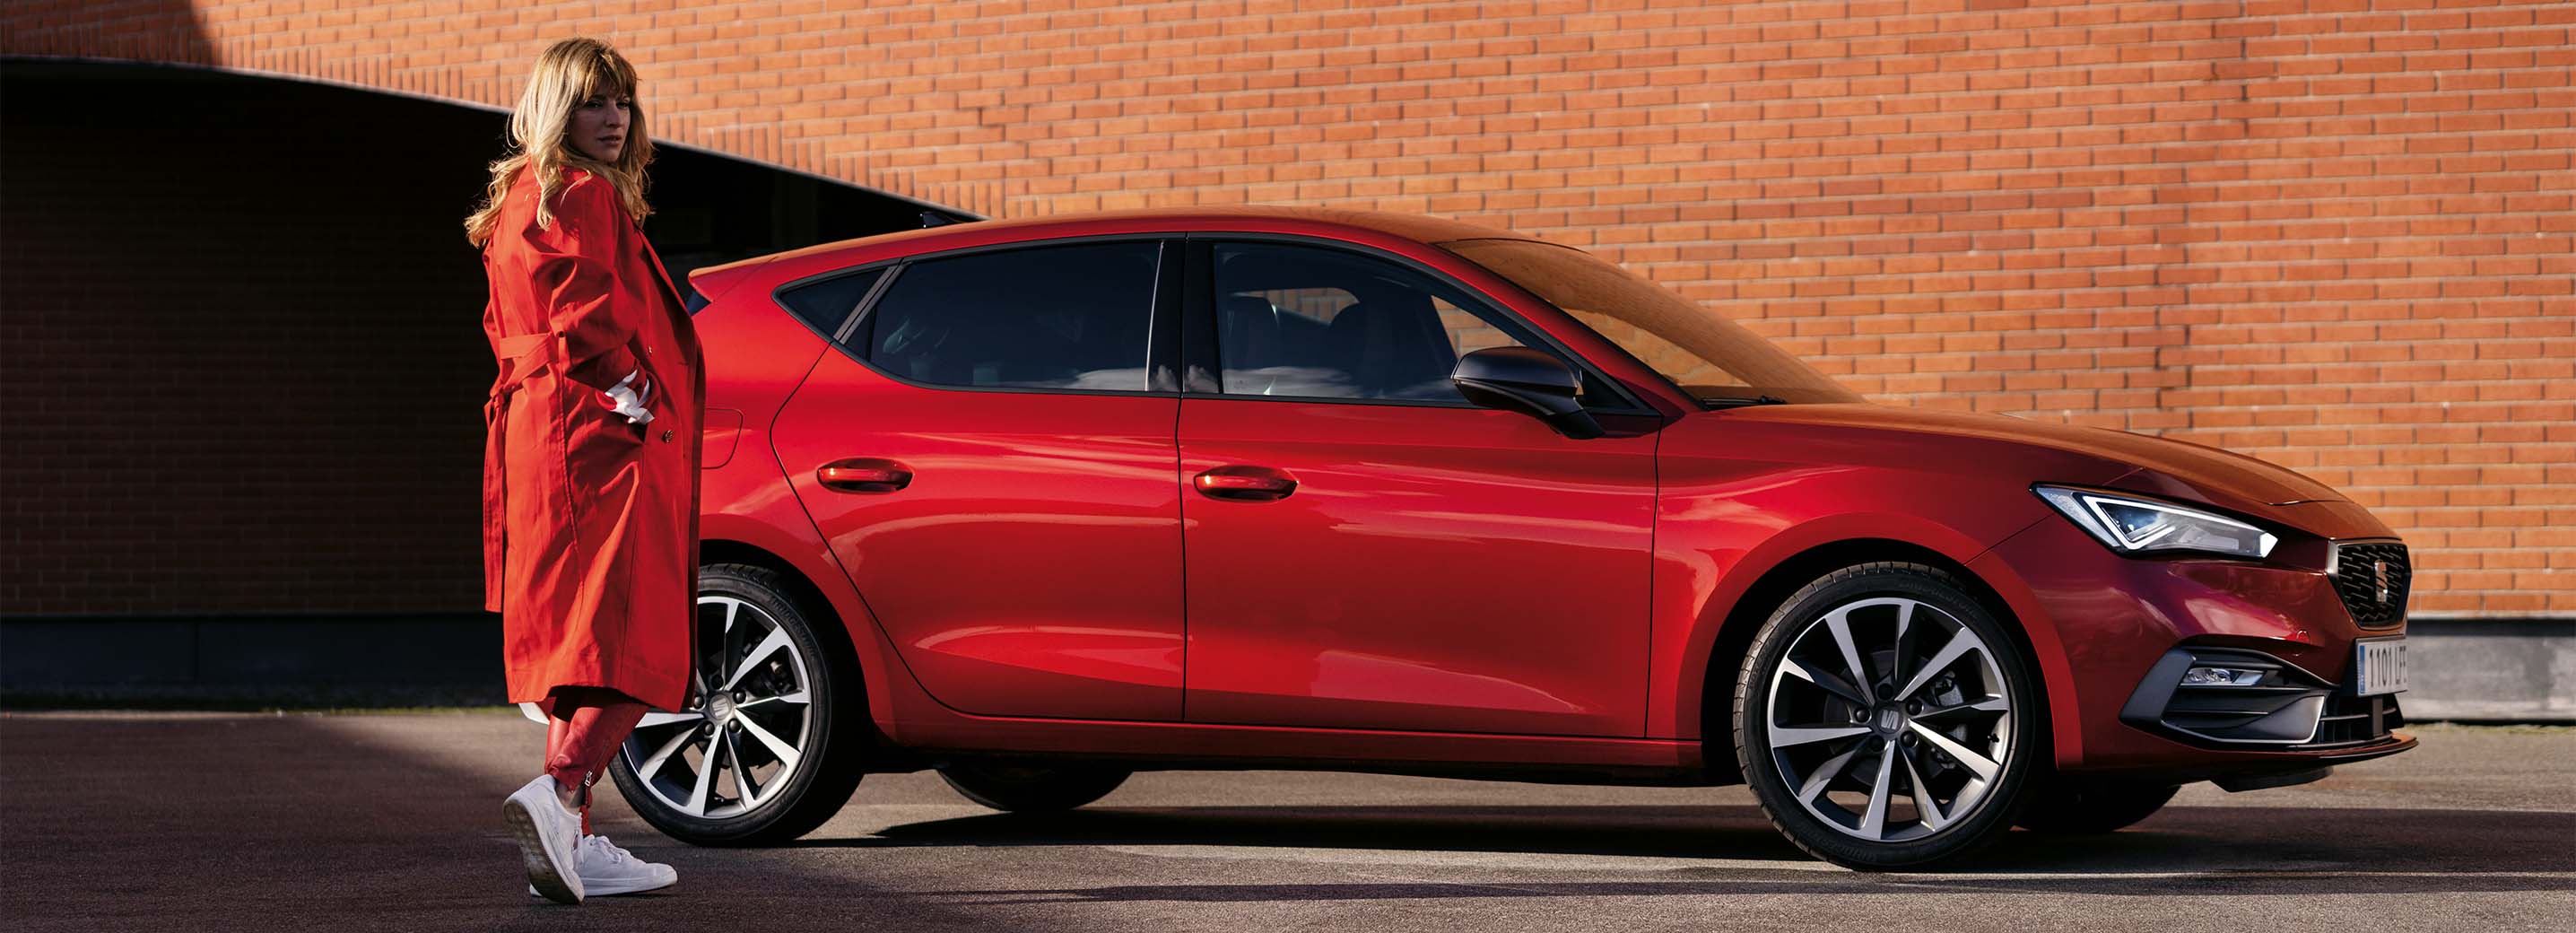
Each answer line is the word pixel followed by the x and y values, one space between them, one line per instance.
pixel 590 457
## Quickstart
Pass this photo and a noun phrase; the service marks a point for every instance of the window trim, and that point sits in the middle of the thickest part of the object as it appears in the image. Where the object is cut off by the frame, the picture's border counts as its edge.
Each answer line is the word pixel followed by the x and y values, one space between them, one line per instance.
pixel 850 324
pixel 778 294
pixel 1200 344
pixel 1161 311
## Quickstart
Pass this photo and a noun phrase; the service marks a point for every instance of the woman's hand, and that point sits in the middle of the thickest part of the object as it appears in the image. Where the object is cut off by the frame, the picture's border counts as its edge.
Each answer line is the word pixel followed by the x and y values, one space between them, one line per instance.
pixel 628 400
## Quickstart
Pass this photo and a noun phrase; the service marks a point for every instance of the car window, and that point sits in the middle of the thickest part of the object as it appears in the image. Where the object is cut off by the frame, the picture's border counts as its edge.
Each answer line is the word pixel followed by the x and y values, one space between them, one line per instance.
pixel 826 303
pixel 1314 322
pixel 1075 316
pixel 1708 356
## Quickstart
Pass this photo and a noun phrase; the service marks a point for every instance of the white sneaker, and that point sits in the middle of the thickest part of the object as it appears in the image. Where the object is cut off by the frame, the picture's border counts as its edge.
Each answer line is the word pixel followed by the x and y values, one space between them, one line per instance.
pixel 548 836
pixel 606 868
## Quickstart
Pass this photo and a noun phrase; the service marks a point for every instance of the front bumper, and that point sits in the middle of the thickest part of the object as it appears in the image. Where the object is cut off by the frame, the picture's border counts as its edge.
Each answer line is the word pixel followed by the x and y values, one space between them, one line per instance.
pixel 2291 710
pixel 2120 625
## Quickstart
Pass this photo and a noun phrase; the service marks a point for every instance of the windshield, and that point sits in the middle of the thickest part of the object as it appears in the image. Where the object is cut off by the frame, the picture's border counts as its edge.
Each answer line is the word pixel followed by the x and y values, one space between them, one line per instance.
pixel 1710 357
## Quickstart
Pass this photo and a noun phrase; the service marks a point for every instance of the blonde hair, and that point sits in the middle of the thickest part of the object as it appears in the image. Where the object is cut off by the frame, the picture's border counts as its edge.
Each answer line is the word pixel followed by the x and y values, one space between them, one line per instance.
pixel 567 73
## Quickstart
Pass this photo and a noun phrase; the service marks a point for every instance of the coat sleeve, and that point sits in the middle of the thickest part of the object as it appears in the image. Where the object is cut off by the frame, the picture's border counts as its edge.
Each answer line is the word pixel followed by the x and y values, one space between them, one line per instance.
pixel 576 275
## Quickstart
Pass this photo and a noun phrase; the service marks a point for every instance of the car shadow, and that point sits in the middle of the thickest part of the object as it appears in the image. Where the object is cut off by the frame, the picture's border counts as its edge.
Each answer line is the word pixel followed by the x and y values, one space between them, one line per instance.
pixel 1738 832
pixel 2185 851
pixel 392 822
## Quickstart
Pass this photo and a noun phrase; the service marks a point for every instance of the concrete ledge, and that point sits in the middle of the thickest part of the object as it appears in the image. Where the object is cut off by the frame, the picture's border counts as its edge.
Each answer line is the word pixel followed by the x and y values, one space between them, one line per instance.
pixel 333 659
pixel 2482 670
pixel 2477 670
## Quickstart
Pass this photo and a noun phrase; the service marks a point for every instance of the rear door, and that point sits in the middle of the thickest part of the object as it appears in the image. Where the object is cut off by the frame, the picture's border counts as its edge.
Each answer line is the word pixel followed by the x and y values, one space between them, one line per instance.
pixel 1369 550
pixel 992 462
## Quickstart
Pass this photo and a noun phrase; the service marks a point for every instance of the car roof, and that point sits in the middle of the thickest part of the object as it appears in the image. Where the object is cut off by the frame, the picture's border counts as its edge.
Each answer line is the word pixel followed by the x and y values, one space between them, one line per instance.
pixel 1408 226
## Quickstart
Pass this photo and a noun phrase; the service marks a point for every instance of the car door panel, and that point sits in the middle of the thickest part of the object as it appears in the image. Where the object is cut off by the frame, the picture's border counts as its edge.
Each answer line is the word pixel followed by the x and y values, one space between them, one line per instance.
pixel 1027 567
pixel 1435 568
pixel 1430 565
pixel 1019 544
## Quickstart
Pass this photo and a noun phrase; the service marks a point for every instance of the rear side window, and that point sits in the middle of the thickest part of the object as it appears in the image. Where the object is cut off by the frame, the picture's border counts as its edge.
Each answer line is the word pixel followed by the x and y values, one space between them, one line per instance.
pixel 826 304
pixel 1076 316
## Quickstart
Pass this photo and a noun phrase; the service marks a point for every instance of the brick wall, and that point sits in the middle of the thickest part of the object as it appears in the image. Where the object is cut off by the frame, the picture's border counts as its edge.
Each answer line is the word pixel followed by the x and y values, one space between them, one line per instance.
pixel 2335 234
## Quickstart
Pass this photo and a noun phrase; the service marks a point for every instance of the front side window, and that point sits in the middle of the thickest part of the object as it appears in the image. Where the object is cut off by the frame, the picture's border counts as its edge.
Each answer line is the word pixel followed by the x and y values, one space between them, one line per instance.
pixel 1313 322
pixel 1710 357
pixel 1076 316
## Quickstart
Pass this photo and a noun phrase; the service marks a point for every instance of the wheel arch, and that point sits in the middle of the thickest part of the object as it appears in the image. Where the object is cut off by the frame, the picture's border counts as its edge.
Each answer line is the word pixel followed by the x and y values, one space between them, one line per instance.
pixel 808 596
pixel 837 610
pixel 1712 708
pixel 833 760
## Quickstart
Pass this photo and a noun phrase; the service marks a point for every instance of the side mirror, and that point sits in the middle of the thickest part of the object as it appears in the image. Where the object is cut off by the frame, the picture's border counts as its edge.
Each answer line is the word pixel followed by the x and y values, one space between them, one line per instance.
pixel 1527 381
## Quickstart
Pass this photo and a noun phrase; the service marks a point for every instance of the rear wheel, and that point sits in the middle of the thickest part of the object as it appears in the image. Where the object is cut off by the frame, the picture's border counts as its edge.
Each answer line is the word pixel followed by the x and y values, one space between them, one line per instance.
pixel 1885 719
pixel 2073 805
pixel 770 742
pixel 1030 788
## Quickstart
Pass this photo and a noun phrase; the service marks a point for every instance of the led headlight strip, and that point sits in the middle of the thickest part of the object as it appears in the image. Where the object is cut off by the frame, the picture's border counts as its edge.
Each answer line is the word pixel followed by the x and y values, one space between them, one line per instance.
pixel 2131 525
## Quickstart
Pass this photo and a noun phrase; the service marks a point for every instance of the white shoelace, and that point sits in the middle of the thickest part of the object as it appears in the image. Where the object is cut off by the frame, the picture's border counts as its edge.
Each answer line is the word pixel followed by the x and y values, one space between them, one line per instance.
pixel 607 850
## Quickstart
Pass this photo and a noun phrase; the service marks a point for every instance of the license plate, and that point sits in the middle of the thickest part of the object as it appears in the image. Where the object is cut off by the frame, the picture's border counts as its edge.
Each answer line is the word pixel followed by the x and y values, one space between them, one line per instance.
pixel 2379 667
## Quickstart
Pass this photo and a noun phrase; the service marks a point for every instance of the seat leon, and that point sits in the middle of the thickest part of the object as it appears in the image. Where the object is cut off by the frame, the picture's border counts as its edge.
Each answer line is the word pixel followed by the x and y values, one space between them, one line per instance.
pixel 1041 503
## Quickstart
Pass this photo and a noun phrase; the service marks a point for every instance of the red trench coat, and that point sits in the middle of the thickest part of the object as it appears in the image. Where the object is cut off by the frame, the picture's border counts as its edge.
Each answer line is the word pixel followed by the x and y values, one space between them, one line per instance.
pixel 590 523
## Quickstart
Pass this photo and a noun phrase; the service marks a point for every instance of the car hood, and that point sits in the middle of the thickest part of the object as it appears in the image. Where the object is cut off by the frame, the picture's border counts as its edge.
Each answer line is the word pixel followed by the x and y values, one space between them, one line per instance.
pixel 2170 468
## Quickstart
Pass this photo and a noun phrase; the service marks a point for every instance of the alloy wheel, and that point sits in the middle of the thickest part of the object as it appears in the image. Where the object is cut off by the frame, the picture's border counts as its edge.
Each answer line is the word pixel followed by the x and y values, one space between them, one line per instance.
pixel 1888 719
pixel 747 722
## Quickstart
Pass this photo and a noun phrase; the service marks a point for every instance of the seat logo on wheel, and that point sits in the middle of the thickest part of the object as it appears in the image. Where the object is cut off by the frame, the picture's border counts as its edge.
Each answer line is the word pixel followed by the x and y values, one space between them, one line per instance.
pixel 747 723
pixel 1889 719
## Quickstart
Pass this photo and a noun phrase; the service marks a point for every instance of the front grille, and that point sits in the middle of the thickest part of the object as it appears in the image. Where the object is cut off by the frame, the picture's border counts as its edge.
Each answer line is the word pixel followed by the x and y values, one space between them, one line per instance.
pixel 2371 579
pixel 2351 720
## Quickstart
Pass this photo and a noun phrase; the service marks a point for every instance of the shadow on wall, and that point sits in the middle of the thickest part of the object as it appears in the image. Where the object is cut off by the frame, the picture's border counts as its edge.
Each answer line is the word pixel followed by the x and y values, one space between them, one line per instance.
pixel 149 30
pixel 246 365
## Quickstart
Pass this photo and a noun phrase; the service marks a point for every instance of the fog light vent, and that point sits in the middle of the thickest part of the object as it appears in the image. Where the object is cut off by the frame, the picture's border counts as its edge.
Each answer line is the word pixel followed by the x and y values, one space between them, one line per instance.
pixel 2228 696
pixel 2221 677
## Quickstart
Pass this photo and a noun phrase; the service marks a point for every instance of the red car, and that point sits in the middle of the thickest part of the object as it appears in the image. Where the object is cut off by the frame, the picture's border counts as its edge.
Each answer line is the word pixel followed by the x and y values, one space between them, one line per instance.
pixel 1042 502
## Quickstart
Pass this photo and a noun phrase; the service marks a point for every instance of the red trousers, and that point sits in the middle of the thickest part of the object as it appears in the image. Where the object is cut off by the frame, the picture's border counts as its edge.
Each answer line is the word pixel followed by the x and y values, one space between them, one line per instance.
pixel 584 726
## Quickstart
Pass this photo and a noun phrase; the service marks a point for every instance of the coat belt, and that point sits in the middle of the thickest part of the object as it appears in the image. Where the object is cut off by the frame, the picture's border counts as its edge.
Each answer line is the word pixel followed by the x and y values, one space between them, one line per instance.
pixel 520 357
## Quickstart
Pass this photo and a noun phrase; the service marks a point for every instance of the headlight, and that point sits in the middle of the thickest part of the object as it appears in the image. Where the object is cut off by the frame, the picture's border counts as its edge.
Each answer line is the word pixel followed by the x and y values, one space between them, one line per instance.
pixel 2132 525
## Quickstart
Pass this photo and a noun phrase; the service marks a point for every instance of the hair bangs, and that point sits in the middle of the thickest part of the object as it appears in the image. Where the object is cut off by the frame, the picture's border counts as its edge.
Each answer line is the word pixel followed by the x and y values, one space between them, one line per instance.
pixel 602 75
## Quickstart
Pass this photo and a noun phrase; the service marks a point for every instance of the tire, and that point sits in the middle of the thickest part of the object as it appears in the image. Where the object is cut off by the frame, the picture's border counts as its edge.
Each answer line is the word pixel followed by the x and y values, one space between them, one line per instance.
pixel 2071 805
pixel 1030 788
pixel 1851 772
pixel 749 614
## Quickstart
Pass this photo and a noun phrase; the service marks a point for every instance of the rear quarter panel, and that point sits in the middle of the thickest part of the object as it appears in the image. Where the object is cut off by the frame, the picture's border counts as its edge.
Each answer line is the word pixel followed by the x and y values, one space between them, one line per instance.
pixel 757 356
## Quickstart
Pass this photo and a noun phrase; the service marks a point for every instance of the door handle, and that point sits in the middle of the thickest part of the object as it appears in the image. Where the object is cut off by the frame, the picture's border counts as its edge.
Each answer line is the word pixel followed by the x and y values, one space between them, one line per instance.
pixel 1245 483
pixel 864 474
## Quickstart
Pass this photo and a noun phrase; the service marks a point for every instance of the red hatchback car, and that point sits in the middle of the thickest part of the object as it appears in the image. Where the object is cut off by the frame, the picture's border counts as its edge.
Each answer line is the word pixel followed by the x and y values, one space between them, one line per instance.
pixel 1043 502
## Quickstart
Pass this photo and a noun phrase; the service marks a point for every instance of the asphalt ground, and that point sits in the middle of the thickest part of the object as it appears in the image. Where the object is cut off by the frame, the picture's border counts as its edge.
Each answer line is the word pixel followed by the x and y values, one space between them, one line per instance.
pixel 199 822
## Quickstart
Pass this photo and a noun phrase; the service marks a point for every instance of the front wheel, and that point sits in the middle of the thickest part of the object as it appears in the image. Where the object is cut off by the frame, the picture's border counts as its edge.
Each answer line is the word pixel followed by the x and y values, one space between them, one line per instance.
pixel 1884 719
pixel 770 742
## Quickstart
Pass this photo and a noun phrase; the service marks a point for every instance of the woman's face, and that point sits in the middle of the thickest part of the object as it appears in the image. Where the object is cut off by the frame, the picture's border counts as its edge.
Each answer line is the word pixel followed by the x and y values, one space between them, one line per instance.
pixel 599 126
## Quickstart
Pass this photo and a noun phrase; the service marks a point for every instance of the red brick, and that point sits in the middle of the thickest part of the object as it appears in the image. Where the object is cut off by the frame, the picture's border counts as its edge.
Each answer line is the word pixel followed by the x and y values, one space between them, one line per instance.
pixel 2340 233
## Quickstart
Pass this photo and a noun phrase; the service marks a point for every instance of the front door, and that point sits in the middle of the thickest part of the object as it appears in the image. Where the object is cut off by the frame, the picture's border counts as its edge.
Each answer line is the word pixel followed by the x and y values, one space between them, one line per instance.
pixel 1365 549
pixel 988 462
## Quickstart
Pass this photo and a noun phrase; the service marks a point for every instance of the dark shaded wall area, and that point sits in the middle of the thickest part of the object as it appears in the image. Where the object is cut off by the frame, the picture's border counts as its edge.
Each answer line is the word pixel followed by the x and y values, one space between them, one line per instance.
pixel 244 369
